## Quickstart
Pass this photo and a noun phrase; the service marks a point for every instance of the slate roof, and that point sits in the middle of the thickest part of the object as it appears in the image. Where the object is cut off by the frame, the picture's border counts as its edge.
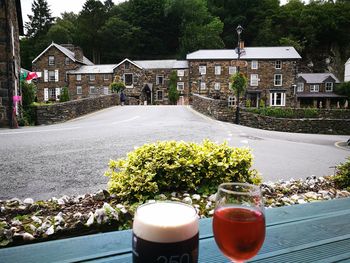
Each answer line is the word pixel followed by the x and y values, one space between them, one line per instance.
pixel 315 78
pixel 157 64
pixel 246 53
pixel 94 69
pixel 67 52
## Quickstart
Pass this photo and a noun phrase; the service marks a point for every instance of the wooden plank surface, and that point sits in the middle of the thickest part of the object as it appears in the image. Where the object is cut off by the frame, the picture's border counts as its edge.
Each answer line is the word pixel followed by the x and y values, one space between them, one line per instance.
pixel 315 232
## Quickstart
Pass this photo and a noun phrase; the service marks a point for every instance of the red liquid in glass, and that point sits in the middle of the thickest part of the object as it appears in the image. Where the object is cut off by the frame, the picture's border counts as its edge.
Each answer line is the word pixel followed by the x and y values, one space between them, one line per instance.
pixel 239 232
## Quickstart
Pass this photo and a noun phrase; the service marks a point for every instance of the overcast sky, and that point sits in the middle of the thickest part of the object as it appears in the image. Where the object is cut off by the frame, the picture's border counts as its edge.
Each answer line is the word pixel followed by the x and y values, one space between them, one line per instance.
pixel 56 6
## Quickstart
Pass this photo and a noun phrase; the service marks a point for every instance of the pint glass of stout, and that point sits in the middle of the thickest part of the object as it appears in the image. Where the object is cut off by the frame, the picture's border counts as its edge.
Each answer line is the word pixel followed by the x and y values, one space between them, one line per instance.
pixel 165 232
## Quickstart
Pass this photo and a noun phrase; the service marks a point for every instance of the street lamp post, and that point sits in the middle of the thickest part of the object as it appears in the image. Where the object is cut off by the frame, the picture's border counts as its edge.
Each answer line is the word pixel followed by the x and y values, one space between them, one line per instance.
pixel 239 30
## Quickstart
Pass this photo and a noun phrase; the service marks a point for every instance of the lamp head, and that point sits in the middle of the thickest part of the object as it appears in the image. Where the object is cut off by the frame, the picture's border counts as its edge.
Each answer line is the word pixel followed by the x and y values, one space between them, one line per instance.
pixel 239 29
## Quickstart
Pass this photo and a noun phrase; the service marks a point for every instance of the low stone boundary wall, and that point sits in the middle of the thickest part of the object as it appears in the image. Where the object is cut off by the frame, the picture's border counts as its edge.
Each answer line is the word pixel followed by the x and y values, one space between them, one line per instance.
pixel 328 121
pixel 312 125
pixel 60 112
pixel 216 109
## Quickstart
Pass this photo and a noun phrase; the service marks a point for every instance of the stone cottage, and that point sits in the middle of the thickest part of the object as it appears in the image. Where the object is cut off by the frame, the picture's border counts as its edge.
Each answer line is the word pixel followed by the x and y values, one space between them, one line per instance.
pixel 11 29
pixel 147 81
pixel 317 90
pixel 53 64
pixel 271 73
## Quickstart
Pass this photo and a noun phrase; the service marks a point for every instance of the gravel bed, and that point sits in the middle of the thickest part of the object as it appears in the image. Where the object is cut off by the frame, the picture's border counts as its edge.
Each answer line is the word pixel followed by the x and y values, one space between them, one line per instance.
pixel 26 221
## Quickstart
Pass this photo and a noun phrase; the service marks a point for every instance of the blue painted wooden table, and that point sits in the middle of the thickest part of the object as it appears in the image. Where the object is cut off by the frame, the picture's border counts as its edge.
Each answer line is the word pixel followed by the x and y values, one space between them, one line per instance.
pixel 315 232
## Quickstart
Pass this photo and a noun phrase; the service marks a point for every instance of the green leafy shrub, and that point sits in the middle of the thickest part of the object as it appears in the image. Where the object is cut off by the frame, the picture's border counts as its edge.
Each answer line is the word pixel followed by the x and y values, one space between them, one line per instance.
pixel 248 103
pixel 262 103
pixel 178 166
pixel 342 175
pixel 285 112
pixel 64 95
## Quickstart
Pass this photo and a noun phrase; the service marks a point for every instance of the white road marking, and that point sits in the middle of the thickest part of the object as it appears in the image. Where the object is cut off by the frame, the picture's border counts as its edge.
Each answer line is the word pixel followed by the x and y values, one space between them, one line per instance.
pixel 230 134
pixel 131 119
pixel 244 141
pixel 37 131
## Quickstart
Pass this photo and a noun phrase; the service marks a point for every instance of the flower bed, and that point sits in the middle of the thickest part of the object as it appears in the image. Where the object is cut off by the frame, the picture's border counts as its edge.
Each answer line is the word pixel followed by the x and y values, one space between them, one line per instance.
pixel 26 221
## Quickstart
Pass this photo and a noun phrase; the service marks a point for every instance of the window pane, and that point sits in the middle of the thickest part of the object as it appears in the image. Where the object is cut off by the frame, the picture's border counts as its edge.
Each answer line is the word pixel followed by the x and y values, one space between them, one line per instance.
pixel 128 79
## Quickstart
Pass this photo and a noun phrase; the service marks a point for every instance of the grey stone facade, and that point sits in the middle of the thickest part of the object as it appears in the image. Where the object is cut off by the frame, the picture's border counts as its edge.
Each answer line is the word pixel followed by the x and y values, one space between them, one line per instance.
pixel 217 81
pixel 11 29
pixel 53 65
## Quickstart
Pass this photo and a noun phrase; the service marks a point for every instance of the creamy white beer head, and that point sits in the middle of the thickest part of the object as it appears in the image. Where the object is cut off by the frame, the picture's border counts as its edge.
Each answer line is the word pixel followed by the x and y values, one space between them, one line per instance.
pixel 165 222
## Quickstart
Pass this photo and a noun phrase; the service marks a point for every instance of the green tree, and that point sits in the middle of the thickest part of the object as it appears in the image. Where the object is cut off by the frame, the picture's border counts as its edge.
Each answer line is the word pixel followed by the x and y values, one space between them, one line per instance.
pixel 64 30
pixel 238 83
pixel 64 95
pixel 343 89
pixel 89 22
pixel 173 93
pixel 41 20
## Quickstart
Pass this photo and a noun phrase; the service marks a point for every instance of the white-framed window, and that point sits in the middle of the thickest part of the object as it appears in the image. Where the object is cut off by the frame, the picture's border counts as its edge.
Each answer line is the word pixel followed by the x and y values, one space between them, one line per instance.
pixel 180 86
pixel 203 69
pixel 159 95
pixel 78 77
pixel 278 98
pixel 231 101
pixel 105 76
pixel 79 90
pixel 203 86
pixel 254 64
pixel 329 86
pixel 254 79
pixel 278 64
pixel 217 86
pixel 180 73
pixel 67 61
pixel 52 93
pixel 159 79
pixel 217 70
pixel 92 90
pixel 105 90
pixel 92 77
pixel 232 70
pixel 314 88
pixel 51 76
pixel 300 87
pixel 277 80
pixel 128 79
pixel 51 60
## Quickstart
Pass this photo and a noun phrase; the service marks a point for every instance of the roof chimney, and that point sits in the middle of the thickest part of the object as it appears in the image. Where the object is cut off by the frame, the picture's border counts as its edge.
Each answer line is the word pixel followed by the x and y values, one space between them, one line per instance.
pixel 241 45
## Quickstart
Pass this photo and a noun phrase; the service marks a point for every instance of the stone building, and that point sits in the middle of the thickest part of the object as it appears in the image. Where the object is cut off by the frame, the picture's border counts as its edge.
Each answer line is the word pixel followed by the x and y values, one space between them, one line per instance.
pixel 317 90
pixel 53 64
pixel 90 81
pixel 11 29
pixel 271 73
pixel 147 81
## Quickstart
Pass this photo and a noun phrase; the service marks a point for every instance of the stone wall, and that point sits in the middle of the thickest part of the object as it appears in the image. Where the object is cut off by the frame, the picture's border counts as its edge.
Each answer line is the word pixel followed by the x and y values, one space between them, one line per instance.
pixel 60 112
pixel 9 60
pixel 216 109
pixel 328 121
pixel 312 125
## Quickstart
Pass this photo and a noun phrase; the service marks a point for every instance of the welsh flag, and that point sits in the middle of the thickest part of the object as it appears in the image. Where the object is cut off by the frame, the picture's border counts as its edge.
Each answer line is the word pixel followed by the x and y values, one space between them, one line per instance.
pixel 27 75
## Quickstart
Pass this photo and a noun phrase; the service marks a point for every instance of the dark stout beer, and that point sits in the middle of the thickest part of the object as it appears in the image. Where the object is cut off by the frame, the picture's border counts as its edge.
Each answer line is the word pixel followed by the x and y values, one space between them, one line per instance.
pixel 165 232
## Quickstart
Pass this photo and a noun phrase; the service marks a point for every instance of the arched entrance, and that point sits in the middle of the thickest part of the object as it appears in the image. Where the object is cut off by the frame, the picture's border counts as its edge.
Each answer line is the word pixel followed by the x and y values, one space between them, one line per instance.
pixel 146 94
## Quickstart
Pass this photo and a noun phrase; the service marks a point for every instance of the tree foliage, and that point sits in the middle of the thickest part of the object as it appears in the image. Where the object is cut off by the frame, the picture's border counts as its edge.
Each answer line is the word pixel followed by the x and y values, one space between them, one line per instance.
pixel 156 29
pixel 173 92
pixel 238 83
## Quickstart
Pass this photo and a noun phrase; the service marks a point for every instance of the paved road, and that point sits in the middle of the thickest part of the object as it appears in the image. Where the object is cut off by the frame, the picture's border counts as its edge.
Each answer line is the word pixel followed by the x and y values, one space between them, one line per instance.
pixel 70 158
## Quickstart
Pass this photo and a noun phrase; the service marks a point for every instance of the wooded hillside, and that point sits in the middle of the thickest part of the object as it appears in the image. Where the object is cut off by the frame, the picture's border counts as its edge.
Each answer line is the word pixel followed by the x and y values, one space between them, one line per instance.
pixel 159 29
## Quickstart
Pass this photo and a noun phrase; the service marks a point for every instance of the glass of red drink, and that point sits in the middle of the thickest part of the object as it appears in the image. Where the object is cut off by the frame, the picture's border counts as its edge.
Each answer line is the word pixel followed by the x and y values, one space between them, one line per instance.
pixel 239 220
